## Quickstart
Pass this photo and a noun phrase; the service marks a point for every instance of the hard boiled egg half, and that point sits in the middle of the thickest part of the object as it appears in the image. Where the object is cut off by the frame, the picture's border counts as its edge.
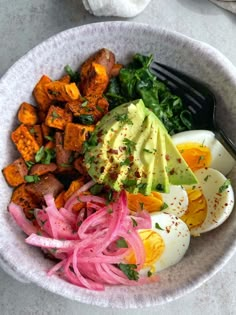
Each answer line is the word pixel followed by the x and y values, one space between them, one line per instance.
pixel 200 149
pixel 165 243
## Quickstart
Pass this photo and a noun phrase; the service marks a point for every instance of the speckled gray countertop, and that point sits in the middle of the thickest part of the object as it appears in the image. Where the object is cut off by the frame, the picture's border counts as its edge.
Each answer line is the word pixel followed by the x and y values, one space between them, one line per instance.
pixel 24 24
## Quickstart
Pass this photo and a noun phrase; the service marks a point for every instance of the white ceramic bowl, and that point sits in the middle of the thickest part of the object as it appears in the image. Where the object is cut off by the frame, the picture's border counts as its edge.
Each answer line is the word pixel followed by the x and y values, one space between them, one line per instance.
pixel 208 253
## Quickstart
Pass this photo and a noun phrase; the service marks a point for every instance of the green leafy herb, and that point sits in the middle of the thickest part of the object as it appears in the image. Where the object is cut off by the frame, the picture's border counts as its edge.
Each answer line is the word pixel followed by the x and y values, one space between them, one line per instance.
pixel 123 118
pixel 49 138
pixel 130 145
pixel 55 115
pixel 29 164
pixel 142 186
pixel 85 103
pixel 226 184
pixel 148 151
pixel 32 178
pixel 121 243
pixel 159 187
pixel 129 182
pixel 74 75
pixel 137 81
pixel 125 162
pixel 164 206
pixel 134 222
pixel 157 226
pixel 201 157
pixel 130 271
pixel 45 155
pixel 206 178
pixel 96 189
pixel 149 273
pixel 32 130
pixel 86 119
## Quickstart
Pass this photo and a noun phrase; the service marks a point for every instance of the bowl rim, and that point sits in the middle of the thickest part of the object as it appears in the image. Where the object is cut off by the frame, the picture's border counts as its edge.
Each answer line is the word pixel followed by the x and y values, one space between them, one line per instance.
pixel 209 51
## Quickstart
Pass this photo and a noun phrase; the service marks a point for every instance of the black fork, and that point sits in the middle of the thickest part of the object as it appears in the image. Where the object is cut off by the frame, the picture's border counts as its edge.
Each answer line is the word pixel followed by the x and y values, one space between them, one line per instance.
pixel 199 100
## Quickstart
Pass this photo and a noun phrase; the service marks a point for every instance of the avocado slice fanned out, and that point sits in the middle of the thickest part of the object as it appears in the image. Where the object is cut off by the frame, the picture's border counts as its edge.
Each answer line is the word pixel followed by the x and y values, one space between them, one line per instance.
pixel 131 149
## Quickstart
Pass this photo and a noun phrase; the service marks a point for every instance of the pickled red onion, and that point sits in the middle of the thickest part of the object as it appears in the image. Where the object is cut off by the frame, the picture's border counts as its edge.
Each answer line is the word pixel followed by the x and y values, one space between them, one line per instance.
pixel 85 243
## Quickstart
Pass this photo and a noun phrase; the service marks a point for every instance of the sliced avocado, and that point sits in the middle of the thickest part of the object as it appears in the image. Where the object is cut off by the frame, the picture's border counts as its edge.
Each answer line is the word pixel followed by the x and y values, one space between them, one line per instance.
pixel 128 150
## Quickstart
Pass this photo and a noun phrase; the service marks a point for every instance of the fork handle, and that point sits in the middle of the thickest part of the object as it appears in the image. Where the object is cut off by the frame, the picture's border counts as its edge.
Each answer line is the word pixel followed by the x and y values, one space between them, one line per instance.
pixel 225 141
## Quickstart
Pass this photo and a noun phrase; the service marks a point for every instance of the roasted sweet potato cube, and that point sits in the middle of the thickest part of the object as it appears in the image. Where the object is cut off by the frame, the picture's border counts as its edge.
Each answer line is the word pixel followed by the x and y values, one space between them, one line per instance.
pixel 25 200
pixel 40 94
pixel 15 172
pixel 42 169
pixel 27 114
pixel 75 185
pixel 58 117
pixel 79 165
pixel 75 136
pixel 103 57
pixel 48 184
pixel 60 201
pixel 96 81
pixel 62 92
pixel 63 156
pixel 65 79
pixel 116 70
pixel 25 142
pixel 96 106
pixel 36 131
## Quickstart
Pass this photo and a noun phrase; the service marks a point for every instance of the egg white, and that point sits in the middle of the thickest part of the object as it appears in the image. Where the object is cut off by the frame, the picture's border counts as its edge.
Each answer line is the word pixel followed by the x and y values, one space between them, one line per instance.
pixel 221 159
pixel 176 237
pixel 176 200
pixel 219 205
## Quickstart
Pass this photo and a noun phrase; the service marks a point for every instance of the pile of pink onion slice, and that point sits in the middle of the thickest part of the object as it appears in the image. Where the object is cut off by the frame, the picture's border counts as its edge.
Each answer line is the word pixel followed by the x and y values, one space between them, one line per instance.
pixel 84 243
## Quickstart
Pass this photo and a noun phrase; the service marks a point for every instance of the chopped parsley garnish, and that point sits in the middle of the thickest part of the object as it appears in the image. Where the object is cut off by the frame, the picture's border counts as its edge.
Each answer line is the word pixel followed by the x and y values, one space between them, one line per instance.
pixel 96 189
pixel 125 162
pixel 164 206
pixel 226 184
pixel 129 270
pixel 85 103
pixel 49 138
pixel 201 157
pixel 149 273
pixel 157 226
pixel 129 182
pixel 134 222
pixel 159 187
pixel 148 151
pixel 32 178
pixel 121 243
pixel 86 119
pixel 29 164
pixel 55 115
pixel 45 155
pixel 206 178
pixel 124 118
pixel 74 75
pixel 130 145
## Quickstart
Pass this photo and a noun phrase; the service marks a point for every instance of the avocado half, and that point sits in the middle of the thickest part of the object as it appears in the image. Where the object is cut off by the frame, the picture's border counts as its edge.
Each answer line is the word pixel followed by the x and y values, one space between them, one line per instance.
pixel 130 149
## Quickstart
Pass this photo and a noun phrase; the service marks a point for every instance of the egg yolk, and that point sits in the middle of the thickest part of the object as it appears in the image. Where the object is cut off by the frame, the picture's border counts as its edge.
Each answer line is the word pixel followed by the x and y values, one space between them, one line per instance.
pixel 151 203
pixel 154 247
pixel 197 209
pixel 196 155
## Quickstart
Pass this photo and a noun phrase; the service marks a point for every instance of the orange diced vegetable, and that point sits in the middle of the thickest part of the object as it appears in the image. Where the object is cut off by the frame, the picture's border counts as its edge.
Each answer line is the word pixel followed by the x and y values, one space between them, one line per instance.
pixel 25 200
pixel 60 201
pixel 75 185
pixel 65 79
pixel 116 70
pixel 58 117
pixel 25 143
pixel 15 172
pixel 63 92
pixel 27 114
pixel 96 82
pixel 75 136
pixel 40 94
pixel 96 106
pixel 36 131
